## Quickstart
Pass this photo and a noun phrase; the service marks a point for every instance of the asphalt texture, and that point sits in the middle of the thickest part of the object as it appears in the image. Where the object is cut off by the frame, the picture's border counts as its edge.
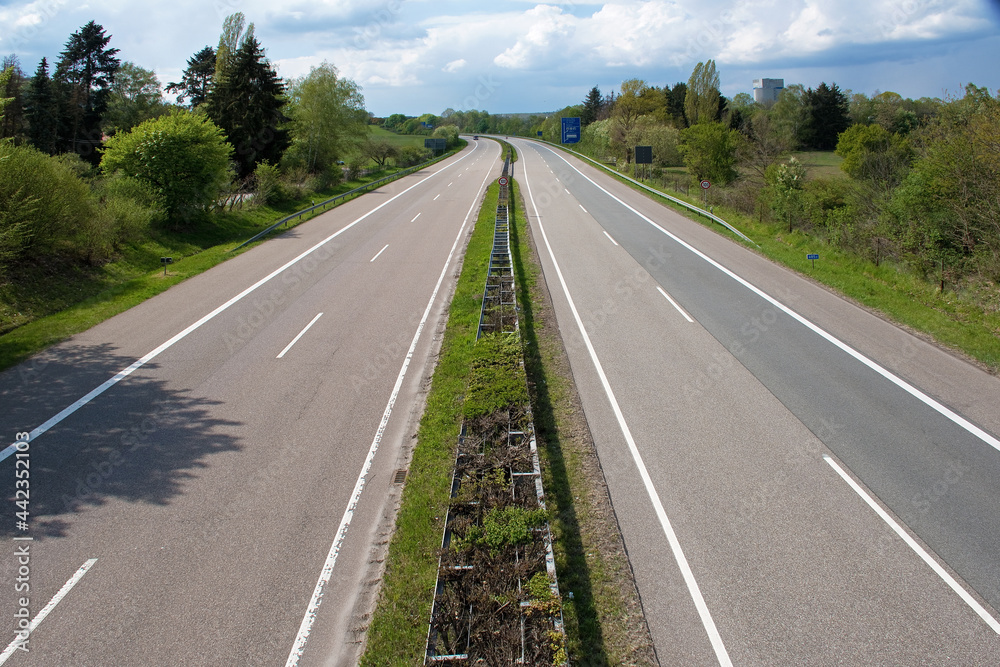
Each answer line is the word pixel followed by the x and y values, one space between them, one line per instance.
pixel 737 419
pixel 211 484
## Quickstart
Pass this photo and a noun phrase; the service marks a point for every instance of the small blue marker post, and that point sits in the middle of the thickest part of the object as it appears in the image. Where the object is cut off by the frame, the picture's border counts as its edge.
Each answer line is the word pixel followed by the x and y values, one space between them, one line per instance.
pixel 813 258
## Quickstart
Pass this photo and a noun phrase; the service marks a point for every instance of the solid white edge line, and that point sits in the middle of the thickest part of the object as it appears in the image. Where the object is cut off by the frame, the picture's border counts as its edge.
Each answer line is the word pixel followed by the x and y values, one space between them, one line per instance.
pixel 610 239
pixel 378 253
pixel 675 304
pixel 693 589
pixel 125 372
pixel 47 609
pixel 920 551
pixel 887 374
pixel 331 559
pixel 301 334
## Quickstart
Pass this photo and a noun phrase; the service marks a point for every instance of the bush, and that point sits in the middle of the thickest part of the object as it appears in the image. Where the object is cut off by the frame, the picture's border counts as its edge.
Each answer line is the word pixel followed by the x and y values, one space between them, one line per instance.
pixel 267 184
pixel 183 156
pixel 410 156
pixel 42 202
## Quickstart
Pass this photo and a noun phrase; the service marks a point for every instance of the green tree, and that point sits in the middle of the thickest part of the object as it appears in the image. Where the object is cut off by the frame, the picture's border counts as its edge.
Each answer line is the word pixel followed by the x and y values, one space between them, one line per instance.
pixel 629 107
pixel 592 107
pixel 247 102
pixel 135 97
pixel 790 114
pixel 701 101
pixel 675 104
pixel 42 110
pixel 872 153
pixel 182 155
pixel 379 150
pixel 12 85
pixel 196 81
pixel 828 116
pixel 328 118
pixel 710 152
pixel 786 182
pixel 86 71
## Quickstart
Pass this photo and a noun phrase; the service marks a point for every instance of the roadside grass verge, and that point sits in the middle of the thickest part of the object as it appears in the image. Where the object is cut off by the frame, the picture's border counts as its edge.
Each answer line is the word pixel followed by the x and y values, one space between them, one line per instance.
pixel 964 318
pixel 397 634
pixel 49 300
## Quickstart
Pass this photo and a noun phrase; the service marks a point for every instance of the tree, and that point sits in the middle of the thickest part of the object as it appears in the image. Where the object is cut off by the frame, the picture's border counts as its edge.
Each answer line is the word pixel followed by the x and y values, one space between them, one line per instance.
pixel 786 181
pixel 42 110
pixel 12 84
pixel 790 113
pixel 379 150
pixel 873 154
pixel 628 108
pixel 766 143
pixel 591 106
pixel 184 156
pixel 135 97
pixel 328 118
pixel 86 69
pixel 675 104
pixel 701 102
pixel 196 81
pixel 710 151
pixel 828 116
pixel 247 101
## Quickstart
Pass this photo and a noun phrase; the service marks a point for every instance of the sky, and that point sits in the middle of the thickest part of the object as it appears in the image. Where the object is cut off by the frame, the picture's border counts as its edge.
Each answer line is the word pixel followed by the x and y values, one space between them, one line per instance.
pixel 518 56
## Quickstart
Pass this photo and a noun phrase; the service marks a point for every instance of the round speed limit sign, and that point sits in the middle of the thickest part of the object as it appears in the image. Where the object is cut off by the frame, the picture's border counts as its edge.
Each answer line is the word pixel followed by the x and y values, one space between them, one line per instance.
pixel 503 180
pixel 705 185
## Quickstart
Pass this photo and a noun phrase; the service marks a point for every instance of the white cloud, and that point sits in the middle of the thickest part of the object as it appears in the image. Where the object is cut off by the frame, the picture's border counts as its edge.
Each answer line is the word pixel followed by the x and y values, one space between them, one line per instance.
pixel 454 65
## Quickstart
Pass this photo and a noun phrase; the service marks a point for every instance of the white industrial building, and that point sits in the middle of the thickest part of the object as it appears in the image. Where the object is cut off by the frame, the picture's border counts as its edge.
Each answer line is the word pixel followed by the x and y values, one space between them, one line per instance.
pixel 766 91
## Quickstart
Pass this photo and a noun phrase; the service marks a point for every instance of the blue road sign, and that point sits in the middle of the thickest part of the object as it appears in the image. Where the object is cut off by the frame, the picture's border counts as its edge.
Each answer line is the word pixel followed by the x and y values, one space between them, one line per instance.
pixel 570 130
pixel 539 133
pixel 812 256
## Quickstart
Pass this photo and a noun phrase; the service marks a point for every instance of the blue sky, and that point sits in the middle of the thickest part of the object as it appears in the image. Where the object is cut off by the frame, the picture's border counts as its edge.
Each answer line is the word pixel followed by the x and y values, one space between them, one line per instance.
pixel 418 56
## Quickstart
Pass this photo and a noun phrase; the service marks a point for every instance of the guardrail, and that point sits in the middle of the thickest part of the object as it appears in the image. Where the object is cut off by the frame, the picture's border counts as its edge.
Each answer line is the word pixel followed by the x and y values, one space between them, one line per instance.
pixel 343 195
pixel 679 202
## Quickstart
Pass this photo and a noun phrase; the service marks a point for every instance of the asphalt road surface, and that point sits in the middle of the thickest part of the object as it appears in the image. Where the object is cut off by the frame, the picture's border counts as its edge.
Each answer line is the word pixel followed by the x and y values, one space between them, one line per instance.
pixel 797 480
pixel 213 470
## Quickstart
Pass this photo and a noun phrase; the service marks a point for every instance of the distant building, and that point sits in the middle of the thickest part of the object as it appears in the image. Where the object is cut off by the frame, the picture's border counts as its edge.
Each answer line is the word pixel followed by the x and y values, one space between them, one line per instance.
pixel 766 91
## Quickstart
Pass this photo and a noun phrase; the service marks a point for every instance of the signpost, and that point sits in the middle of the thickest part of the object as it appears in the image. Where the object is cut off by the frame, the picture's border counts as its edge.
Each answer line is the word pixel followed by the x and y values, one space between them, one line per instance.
pixel 571 130
pixel 502 180
pixel 436 144
pixel 705 185
pixel 539 133
pixel 643 156
pixel 813 258
pixel 164 261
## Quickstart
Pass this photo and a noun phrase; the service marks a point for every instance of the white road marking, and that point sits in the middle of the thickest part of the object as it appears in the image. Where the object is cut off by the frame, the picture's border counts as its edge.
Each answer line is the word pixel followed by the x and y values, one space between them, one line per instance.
pixel 582 208
pixel 301 334
pixel 682 563
pixel 378 253
pixel 567 192
pixel 415 217
pixel 125 372
pixel 887 374
pixel 331 559
pixel 450 184
pixel 610 239
pixel 47 609
pixel 435 197
pixel 920 551
pixel 674 304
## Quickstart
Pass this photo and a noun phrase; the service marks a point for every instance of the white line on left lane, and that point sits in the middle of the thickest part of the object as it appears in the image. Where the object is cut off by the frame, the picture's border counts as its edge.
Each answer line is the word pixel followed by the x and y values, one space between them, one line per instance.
pixel 17 644
pixel 301 334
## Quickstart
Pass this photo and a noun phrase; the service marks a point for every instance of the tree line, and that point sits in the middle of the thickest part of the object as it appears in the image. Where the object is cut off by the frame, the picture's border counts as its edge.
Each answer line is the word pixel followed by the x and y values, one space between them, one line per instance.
pixel 92 156
pixel 920 181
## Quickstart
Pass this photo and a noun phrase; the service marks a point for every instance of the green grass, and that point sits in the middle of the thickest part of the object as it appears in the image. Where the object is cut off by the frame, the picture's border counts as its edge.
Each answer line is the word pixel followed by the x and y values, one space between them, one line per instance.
pixel 398 631
pixel 398 140
pixel 820 164
pixel 45 302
